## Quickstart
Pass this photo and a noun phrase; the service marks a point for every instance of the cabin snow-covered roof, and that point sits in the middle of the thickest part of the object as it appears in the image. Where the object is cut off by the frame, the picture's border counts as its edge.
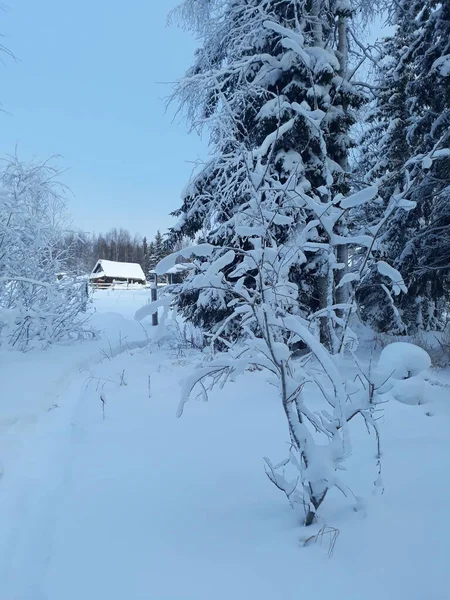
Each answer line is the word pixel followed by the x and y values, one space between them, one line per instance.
pixel 117 270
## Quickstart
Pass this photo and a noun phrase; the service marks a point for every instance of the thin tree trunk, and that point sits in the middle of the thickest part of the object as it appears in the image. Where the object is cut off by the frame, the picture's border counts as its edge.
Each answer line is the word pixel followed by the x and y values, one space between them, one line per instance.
pixel 342 257
pixel 316 24
pixel 323 290
pixel 324 278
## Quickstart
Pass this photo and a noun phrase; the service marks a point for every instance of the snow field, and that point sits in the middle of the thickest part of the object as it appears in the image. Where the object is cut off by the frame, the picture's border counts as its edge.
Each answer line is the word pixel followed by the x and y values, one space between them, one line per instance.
pixel 122 500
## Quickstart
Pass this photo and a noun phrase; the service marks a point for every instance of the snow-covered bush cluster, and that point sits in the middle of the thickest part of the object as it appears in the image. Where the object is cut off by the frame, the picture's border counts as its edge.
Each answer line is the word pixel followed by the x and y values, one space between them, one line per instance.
pixel 38 304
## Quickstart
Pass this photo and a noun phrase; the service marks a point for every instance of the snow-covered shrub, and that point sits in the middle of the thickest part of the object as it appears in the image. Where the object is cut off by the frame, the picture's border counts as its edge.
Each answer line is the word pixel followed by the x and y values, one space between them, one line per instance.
pixel 317 401
pixel 186 336
pixel 35 306
pixel 400 372
pixel 437 344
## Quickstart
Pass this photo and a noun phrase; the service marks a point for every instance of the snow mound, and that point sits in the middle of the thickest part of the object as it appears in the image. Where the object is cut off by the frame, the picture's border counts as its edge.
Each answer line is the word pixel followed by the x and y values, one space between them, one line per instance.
pixel 401 360
pixel 410 391
pixel 401 370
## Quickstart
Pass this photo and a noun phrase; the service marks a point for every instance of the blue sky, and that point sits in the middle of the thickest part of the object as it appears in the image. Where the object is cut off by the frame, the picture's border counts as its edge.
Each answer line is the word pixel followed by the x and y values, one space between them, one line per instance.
pixel 90 84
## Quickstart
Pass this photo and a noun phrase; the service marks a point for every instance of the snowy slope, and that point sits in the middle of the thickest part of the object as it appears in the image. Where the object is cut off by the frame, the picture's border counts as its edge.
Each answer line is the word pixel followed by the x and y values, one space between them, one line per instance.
pixel 122 500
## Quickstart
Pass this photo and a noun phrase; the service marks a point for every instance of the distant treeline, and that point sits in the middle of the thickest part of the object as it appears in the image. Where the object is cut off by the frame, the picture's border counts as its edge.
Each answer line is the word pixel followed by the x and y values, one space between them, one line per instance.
pixel 116 244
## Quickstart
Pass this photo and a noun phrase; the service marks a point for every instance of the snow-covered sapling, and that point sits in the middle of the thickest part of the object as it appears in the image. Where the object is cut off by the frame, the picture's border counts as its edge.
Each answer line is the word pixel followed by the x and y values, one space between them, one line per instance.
pixel 317 402
pixel 35 306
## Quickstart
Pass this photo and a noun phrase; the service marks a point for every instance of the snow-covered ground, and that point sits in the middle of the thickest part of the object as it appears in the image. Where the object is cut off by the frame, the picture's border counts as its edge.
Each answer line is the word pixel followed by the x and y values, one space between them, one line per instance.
pixel 106 495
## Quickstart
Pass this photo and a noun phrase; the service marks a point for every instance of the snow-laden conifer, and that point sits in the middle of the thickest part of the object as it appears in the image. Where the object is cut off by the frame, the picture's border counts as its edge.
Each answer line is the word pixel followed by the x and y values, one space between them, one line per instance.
pixel 407 146
pixel 274 90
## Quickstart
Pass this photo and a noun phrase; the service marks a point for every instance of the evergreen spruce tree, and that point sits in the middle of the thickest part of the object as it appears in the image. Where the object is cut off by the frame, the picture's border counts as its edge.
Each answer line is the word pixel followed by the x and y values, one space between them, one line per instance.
pixel 159 251
pixel 272 85
pixel 145 257
pixel 407 145
pixel 151 258
pixel 426 256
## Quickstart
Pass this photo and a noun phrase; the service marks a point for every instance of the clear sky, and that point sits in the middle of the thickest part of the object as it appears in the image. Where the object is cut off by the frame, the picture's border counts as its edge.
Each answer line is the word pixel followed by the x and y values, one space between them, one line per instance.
pixel 90 84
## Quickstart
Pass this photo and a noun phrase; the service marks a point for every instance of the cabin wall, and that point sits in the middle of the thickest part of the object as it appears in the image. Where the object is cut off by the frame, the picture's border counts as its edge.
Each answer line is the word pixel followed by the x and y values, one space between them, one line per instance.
pixel 105 282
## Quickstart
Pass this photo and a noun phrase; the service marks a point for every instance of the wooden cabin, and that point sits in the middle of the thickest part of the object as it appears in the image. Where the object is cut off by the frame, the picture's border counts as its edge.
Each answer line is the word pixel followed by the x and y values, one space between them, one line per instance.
pixel 109 272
